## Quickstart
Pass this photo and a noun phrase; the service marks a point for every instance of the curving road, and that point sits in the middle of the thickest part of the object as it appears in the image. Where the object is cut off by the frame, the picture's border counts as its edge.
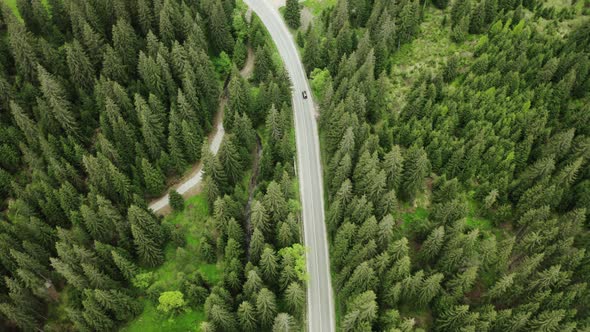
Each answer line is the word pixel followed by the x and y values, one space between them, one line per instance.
pixel 320 303
pixel 194 179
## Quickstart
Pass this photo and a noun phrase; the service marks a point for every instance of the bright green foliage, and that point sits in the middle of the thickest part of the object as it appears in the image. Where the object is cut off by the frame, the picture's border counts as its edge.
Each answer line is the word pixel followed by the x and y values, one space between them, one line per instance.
pixel 449 178
pixel 171 302
pixel 296 253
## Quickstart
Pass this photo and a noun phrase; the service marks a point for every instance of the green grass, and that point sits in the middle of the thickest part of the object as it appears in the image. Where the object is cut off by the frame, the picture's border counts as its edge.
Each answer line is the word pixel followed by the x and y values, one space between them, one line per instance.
pixel 428 51
pixel 152 320
pixel 420 214
pixel 316 6
pixel 12 5
pixel 178 263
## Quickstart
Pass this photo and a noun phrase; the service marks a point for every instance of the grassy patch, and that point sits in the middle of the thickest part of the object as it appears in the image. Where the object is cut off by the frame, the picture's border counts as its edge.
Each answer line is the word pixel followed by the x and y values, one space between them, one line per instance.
pixel 408 218
pixel 316 6
pixel 153 320
pixel 423 317
pixel 180 261
pixel 12 5
pixel 428 51
pixel 475 222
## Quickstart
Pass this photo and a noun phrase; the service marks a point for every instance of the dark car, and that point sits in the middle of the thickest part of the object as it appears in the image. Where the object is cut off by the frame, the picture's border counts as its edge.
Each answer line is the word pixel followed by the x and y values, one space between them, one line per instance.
pixel 304 93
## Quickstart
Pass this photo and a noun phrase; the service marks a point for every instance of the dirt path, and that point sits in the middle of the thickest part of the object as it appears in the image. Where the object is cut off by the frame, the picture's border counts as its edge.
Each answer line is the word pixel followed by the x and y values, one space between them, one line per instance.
pixel 190 184
pixel 246 72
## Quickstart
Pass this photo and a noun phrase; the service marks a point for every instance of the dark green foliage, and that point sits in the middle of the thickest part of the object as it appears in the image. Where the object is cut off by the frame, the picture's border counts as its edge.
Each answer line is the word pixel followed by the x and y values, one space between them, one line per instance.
pixel 481 158
pixel 99 103
pixel 293 14
pixel 176 201
pixel 147 235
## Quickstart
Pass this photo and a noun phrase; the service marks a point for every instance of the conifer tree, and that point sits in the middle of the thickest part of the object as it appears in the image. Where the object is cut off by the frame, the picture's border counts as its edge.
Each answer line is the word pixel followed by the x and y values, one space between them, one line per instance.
pixel 247 317
pixel 293 14
pixel 147 235
pixel 176 201
pixel 266 307
pixel 80 66
pixel 229 160
pixel 295 298
pixel 128 268
pixel 56 102
pixel 219 29
pixel 284 323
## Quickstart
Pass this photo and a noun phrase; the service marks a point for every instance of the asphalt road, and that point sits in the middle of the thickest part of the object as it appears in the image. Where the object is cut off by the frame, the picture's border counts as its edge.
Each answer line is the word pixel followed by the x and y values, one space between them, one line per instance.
pixel 320 303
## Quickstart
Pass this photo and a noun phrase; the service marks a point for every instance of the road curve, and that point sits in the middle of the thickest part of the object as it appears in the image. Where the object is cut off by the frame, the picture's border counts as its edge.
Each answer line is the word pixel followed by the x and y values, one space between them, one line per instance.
pixel 195 178
pixel 320 303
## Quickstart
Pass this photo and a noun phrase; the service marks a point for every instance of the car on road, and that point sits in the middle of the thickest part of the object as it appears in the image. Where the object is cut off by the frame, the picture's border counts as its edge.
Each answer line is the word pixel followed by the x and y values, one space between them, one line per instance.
pixel 304 94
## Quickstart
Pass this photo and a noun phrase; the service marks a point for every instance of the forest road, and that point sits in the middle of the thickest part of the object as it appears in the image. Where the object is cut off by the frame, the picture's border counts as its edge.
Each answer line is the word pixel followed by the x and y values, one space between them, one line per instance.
pixel 320 303
pixel 190 184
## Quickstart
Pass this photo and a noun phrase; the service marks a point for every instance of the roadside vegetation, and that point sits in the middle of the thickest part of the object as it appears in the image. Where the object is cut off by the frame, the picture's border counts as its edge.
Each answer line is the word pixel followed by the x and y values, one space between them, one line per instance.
pixel 101 106
pixel 454 137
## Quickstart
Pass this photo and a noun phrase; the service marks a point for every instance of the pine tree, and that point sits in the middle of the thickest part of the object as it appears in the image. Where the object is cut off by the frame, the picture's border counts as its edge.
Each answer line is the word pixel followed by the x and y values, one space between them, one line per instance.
pixel 393 163
pixel 548 321
pixel 97 278
pixel 256 245
pixel 455 318
pixel 152 128
pixel 312 51
pixel 259 217
pixel 476 23
pixel 219 29
pixel 293 14
pixel 147 236
pixel 263 65
pixel 121 304
pixel 433 244
pixel 113 67
pixel 21 318
pixel 247 317
pixel 55 97
pixel 269 265
pixel 22 47
pixel 176 201
pixel 80 66
pixel 98 229
pixel 229 160
pixel 95 315
pixel 275 202
pixel 430 288
pixel 266 307
pixel 416 168
pixel 295 298
pixel 223 318
pixel 361 312
pixel 128 268
pixel 284 323
pixel 441 4
pixel 152 178
pixel 125 43
pixel 240 53
pixel 145 16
